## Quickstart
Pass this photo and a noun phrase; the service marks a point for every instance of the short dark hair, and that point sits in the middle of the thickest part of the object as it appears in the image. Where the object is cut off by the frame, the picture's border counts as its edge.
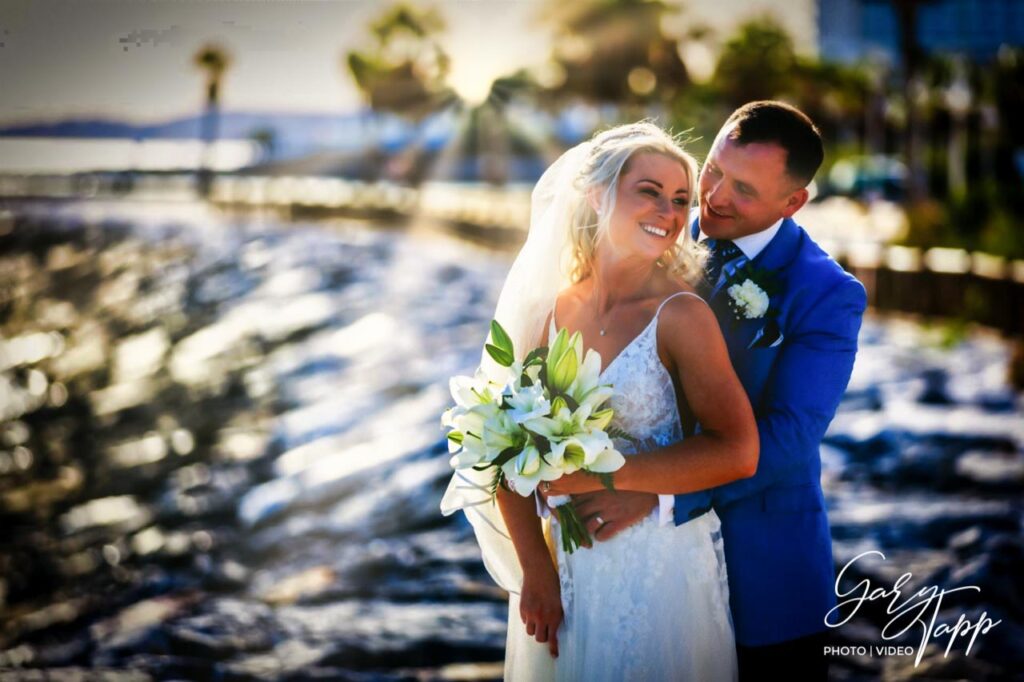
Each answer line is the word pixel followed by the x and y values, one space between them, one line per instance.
pixel 786 126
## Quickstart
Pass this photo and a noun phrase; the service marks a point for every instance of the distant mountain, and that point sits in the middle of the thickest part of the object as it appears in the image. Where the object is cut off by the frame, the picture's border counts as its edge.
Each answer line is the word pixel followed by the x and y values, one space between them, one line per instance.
pixel 73 128
pixel 232 125
pixel 290 134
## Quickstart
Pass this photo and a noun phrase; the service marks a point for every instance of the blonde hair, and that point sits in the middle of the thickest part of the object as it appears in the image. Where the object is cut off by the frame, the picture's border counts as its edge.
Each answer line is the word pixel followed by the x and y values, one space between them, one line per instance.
pixel 609 157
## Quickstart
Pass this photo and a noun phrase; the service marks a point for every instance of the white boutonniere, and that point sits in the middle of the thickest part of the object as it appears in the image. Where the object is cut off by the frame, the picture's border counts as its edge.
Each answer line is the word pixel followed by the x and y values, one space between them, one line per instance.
pixel 748 300
pixel 750 290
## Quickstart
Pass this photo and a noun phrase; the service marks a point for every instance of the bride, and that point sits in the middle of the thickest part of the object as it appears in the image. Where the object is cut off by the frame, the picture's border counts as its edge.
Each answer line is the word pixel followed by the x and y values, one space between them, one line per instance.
pixel 609 254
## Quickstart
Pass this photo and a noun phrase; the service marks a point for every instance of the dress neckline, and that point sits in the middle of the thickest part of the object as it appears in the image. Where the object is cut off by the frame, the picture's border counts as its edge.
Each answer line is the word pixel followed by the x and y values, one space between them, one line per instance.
pixel 638 335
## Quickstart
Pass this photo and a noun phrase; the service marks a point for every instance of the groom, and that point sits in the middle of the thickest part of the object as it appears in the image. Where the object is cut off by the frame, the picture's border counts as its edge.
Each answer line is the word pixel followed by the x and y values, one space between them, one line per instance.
pixel 794 361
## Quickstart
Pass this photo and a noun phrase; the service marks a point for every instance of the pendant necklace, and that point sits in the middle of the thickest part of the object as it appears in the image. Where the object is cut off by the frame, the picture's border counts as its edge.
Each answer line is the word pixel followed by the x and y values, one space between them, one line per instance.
pixel 599 325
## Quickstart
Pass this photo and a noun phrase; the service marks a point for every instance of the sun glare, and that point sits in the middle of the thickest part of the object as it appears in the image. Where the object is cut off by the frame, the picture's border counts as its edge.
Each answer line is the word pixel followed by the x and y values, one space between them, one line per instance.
pixel 472 79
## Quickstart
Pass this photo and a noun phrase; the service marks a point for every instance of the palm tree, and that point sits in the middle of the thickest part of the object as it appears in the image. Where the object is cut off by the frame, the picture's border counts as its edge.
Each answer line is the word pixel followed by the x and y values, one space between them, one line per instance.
pixel 906 13
pixel 213 60
pixel 405 71
pixel 758 62
pixel 615 50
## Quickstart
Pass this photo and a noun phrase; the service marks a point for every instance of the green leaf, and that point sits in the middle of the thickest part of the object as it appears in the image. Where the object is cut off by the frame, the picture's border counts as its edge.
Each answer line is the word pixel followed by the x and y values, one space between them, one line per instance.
pixel 498 480
pixel 501 339
pixel 616 432
pixel 570 402
pixel 500 356
pixel 536 355
pixel 543 446
pixel 607 480
pixel 506 454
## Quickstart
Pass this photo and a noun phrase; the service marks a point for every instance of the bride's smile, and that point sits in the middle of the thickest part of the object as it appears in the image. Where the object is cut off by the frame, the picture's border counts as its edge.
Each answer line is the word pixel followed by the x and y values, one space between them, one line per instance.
pixel 652 205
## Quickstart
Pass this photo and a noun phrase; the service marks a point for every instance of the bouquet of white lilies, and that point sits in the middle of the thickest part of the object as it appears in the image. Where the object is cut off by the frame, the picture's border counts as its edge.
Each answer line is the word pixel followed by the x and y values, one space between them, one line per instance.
pixel 544 421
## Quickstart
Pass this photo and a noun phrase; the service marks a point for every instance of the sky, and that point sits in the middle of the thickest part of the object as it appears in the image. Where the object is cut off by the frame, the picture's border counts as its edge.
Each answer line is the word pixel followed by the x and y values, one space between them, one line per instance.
pixel 131 59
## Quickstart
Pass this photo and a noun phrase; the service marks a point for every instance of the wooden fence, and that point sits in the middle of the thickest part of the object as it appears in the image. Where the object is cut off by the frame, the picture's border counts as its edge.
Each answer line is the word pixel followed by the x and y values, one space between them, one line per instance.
pixel 940 282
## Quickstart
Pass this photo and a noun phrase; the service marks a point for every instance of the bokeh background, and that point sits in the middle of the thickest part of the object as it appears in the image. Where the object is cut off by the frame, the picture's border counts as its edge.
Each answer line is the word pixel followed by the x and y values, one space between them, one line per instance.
pixel 243 245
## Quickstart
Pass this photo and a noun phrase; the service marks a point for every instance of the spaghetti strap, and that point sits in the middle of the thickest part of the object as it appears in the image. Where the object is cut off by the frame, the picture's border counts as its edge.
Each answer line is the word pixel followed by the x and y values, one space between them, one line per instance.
pixel 679 293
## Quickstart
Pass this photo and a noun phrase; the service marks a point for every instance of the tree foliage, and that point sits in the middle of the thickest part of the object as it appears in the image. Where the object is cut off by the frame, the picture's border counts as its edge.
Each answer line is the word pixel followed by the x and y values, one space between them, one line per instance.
pixel 615 50
pixel 405 69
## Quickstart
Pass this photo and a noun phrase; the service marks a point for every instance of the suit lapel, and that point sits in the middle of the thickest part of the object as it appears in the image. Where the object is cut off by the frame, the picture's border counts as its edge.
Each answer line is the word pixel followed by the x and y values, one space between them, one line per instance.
pixel 777 255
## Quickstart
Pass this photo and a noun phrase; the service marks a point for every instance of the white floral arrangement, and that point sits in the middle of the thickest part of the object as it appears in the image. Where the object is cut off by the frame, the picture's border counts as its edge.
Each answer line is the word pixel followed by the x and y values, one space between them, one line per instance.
pixel 544 421
pixel 750 290
pixel 748 300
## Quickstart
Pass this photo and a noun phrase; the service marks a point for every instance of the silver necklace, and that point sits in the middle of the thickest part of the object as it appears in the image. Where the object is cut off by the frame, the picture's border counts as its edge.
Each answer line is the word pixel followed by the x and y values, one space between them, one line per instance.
pixel 599 325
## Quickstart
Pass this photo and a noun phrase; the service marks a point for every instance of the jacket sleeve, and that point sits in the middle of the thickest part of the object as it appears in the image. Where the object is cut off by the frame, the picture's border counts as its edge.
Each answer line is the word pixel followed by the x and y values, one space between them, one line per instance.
pixel 804 391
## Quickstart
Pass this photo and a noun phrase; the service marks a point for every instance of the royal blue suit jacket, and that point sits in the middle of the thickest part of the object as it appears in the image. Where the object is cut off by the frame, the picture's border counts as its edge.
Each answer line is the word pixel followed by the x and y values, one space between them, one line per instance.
pixel 778 546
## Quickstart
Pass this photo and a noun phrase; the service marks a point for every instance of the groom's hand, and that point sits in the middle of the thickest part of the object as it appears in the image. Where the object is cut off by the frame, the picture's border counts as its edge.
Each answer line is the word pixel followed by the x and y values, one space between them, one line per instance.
pixel 607 513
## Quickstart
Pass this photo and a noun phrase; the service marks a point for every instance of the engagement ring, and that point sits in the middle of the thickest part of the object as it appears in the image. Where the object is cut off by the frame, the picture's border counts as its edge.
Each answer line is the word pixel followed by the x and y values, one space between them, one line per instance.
pixel 600 521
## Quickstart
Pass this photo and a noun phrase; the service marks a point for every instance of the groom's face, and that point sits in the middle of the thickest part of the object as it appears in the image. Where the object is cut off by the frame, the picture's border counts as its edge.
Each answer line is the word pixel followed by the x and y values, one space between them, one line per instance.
pixel 745 188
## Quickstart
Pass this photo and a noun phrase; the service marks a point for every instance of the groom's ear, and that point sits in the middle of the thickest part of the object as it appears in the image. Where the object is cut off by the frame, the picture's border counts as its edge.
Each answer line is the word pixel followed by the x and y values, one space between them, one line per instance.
pixel 795 202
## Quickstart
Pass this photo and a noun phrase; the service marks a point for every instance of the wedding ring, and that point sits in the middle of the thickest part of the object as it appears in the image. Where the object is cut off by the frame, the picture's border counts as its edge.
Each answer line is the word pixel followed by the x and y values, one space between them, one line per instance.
pixel 545 486
pixel 600 521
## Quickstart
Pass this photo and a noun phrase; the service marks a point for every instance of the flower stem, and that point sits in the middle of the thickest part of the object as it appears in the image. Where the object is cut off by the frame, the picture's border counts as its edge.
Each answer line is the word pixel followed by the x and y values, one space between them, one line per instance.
pixel 574 533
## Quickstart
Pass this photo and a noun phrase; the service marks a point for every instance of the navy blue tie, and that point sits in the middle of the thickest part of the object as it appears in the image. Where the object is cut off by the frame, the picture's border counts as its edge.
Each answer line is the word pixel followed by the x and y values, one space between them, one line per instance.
pixel 722 251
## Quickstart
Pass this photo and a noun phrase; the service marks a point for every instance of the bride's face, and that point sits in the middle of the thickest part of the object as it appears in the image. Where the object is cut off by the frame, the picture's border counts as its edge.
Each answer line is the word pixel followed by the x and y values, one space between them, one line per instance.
pixel 652 205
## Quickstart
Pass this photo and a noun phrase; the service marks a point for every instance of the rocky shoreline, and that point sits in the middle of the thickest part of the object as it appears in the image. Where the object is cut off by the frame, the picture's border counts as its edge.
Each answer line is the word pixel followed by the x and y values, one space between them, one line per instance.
pixel 220 458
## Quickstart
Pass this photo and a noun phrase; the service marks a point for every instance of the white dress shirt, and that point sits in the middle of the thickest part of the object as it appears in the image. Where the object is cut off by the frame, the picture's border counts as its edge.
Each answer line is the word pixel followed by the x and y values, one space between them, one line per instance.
pixel 751 245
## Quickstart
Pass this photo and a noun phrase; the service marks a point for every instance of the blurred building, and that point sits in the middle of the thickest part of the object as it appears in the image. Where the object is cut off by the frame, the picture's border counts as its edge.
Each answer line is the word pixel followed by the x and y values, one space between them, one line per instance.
pixel 851 29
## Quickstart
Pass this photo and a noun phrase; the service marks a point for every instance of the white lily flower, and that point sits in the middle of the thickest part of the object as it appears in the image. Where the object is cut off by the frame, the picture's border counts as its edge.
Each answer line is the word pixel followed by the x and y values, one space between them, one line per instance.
pixel 472 420
pixel 475 390
pixel 473 452
pixel 607 461
pixel 471 424
pixel 527 469
pixel 561 424
pixel 600 420
pixel 587 376
pixel 595 398
pixel 500 433
pixel 579 451
pixel 528 403
pixel 450 417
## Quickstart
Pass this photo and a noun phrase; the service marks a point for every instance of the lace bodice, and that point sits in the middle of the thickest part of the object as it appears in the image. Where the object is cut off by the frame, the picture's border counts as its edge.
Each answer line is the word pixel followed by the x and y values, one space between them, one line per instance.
pixel 644 399
pixel 653 601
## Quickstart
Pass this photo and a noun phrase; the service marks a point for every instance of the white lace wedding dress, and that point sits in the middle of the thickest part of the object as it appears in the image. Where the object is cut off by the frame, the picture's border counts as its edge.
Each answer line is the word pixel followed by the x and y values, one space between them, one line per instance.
pixel 652 603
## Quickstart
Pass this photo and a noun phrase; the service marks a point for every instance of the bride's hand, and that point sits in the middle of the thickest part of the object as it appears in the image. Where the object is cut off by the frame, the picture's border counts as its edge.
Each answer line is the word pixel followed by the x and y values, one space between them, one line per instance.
pixel 572 484
pixel 540 605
